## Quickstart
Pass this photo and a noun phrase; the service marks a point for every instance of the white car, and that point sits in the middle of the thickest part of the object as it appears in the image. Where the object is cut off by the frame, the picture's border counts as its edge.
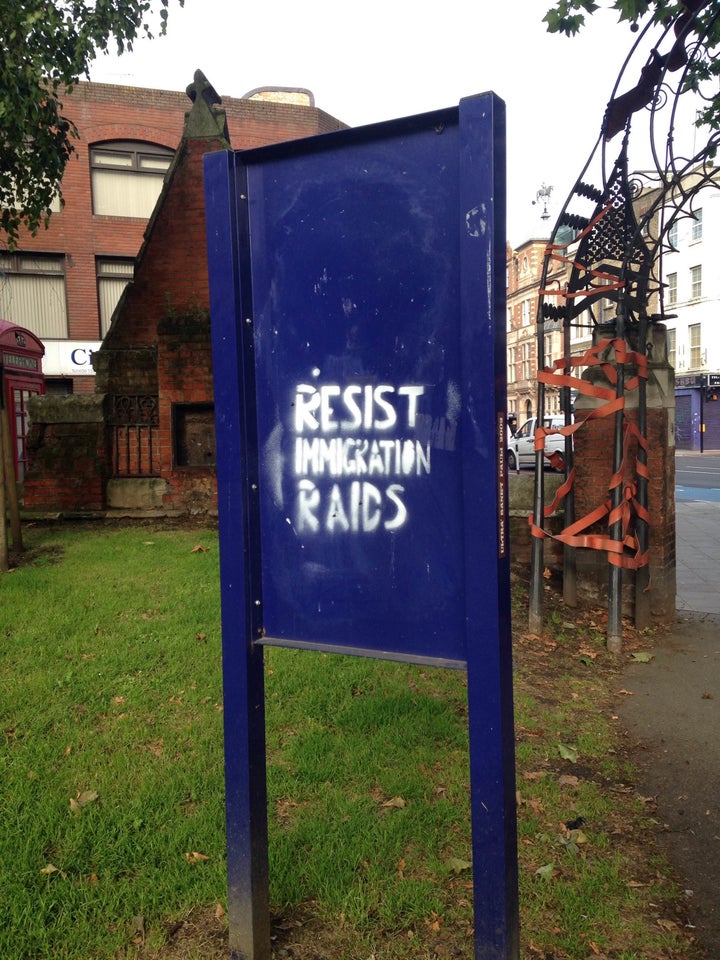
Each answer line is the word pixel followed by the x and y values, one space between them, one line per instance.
pixel 521 447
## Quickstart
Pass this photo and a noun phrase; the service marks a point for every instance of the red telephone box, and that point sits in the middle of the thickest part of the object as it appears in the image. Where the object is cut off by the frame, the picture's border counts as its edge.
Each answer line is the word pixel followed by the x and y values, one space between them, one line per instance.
pixel 21 356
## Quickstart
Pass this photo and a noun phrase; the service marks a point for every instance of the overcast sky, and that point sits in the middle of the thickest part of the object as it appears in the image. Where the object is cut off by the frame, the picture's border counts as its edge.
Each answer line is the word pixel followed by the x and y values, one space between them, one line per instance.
pixel 382 59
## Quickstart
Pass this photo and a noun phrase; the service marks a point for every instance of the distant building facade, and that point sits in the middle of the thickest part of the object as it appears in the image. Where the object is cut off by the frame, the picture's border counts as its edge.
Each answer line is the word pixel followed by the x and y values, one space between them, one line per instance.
pixel 692 317
pixel 524 267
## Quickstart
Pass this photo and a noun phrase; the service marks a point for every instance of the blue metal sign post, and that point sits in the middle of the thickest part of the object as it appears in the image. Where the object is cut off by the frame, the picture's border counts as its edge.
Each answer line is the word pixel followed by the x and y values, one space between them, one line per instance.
pixel 357 305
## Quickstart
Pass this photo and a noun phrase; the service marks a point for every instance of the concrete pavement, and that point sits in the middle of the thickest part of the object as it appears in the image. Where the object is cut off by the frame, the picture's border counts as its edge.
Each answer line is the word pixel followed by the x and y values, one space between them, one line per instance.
pixel 673 717
pixel 697 546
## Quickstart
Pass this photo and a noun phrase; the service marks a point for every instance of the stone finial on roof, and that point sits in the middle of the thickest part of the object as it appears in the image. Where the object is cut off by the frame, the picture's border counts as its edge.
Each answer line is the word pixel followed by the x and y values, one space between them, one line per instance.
pixel 203 120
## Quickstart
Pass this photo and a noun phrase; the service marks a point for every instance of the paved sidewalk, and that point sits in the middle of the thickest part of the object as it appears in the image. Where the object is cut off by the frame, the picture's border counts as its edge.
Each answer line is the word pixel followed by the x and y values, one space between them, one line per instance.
pixel 673 716
pixel 697 545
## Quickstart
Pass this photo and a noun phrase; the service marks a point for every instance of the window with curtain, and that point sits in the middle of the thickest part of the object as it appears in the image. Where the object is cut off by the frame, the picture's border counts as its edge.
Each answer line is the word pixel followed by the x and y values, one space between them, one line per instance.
pixel 32 293
pixel 127 178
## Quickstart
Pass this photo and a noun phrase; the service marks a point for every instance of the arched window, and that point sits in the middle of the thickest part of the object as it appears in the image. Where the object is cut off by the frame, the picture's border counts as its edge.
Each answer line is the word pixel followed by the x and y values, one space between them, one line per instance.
pixel 127 177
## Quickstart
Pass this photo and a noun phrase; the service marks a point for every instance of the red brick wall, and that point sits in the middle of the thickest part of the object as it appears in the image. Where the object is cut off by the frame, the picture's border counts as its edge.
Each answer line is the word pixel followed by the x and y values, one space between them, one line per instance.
pixel 69 466
pixel 172 275
pixel 593 464
pixel 185 376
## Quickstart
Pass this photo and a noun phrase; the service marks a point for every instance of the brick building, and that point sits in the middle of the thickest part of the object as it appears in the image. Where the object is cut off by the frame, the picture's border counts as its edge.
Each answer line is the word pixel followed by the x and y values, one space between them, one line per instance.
pixel 144 438
pixel 64 283
pixel 524 267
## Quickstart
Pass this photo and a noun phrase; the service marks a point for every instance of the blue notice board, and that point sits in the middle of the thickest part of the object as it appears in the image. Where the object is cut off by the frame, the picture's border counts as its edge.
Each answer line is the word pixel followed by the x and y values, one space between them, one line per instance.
pixel 357 308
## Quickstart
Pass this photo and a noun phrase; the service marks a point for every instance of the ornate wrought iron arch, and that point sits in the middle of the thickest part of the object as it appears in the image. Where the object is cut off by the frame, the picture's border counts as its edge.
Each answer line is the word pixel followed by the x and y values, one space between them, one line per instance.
pixel 611 235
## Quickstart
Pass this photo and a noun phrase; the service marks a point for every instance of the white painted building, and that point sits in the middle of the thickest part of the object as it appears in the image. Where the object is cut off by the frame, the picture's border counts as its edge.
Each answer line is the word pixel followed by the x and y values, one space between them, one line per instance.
pixel 692 290
pixel 692 307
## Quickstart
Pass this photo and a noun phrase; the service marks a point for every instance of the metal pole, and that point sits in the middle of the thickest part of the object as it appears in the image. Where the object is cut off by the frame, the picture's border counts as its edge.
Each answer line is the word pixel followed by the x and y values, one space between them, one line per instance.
pixel 537 546
pixel 569 564
pixel 642 574
pixel 615 633
pixel 11 492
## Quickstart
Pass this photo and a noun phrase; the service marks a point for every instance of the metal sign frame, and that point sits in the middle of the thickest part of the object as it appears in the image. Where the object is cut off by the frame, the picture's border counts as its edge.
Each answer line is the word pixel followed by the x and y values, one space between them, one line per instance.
pixel 266 333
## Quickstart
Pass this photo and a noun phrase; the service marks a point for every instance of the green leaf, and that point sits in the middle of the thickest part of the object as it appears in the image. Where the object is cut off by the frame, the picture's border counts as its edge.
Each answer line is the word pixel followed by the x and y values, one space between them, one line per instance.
pixel 545 872
pixel 567 753
pixel 455 865
pixel 642 657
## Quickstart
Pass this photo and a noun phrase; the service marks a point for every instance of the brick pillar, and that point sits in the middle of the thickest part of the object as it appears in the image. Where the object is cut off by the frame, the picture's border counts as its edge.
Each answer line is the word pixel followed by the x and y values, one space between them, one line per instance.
pixel 593 462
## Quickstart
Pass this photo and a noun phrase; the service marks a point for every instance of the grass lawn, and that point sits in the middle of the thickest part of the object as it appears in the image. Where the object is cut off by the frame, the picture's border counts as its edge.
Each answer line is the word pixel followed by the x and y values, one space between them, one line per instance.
pixel 111 792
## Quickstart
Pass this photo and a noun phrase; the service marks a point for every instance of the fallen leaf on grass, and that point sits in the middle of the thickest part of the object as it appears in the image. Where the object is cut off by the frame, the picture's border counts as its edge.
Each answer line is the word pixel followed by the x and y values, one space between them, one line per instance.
pixel 81 800
pixel 396 802
pixel 545 872
pixel 196 857
pixel 573 840
pixel 568 780
pixel 50 868
pixel 587 652
pixel 199 549
pixel 456 865
pixel 434 921
pixel 139 932
pixel 567 753
pixel 219 912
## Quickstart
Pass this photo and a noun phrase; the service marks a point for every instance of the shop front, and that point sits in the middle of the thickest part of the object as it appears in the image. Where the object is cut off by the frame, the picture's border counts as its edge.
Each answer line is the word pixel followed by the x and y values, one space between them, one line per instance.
pixel 697 412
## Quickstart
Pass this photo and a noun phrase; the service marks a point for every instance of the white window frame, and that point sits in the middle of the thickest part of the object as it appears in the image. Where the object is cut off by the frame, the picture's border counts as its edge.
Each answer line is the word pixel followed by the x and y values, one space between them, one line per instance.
pixel 526 361
pixel 672 347
pixel 696 231
pixel 695 340
pixel 696 282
